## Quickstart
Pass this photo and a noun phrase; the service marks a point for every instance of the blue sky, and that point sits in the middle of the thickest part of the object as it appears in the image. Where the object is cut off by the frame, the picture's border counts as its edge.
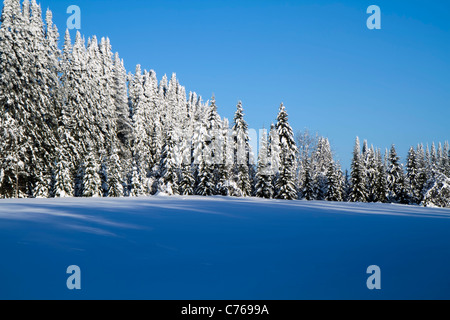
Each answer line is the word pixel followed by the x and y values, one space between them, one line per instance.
pixel 334 75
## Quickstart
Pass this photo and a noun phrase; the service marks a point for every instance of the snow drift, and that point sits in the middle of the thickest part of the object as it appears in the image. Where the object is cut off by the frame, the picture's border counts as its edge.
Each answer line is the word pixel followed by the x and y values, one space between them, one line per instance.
pixel 221 248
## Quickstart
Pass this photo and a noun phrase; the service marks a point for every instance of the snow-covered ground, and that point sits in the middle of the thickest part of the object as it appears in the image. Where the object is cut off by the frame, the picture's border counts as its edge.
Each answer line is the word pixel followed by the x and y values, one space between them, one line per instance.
pixel 221 248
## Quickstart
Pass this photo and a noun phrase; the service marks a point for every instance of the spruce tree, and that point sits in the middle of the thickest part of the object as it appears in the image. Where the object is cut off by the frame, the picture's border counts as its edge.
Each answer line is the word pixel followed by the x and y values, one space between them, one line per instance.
pixel 140 143
pixel 264 187
pixel 42 187
pixel 412 177
pixel 226 184
pixel 120 97
pixel 321 159
pixel 371 174
pixel 308 187
pixel 12 167
pixel 25 96
pixel 242 154
pixel 170 163
pixel 359 191
pixel 422 173
pixel 115 183
pixel 274 154
pixel 439 193
pixel 286 184
pixel 205 175
pixel 78 99
pixel 215 144
pixel 62 178
pixel 381 183
pixel 187 181
pixel 396 178
pixel 92 184
pixel 135 187
pixel 334 183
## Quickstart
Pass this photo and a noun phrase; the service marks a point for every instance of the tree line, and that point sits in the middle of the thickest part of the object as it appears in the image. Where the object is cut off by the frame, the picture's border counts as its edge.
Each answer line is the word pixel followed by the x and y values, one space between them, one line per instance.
pixel 74 123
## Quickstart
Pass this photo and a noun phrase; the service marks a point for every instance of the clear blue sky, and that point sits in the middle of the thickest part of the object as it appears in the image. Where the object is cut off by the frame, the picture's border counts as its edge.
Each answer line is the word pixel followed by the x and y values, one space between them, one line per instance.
pixel 318 57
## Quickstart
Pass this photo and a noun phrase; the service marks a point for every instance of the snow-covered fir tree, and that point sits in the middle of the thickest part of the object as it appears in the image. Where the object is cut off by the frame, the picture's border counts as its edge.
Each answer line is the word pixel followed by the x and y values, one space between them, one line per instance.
pixel 27 83
pixel 122 109
pixel 73 123
pixel 187 179
pixel 439 193
pixel 214 145
pixel 92 183
pixel 115 174
pixel 205 176
pixel 412 177
pixel 274 153
pixel 286 187
pixel 396 178
pixel 77 101
pixel 41 187
pixel 381 182
pixel 170 165
pixel 63 183
pixel 140 142
pixel 264 186
pixel 135 187
pixel 422 173
pixel 242 154
pixel 203 162
pixel 12 167
pixel 371 173
pixel 358 178
pixel 335 183
pixel 321 161
pixel 308 182
pixel 227 185
pixel 62 186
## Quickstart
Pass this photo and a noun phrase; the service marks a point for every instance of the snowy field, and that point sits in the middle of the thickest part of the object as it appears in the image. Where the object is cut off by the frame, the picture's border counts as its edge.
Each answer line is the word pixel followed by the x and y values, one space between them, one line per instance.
pixel 221 248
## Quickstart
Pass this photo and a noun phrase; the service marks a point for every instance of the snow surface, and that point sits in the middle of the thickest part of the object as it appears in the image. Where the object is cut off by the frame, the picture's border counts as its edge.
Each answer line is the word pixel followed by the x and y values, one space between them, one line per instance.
pixel 221 248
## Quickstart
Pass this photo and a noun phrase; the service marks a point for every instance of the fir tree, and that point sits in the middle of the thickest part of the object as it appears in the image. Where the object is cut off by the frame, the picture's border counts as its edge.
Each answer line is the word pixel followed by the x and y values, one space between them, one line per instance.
pixel 12 168
pixel 359 191
pixel 396 178
pixel 168 183
pixel 214 144
pixel 321 160
pixel 381 183
pixel 187 181
pixel 334 183
pixel 412 177
pixel 445 160
pixel 92 184
pixel 242 154
pixel 41 189
pixel 274 154
pixel 120 97
pixel 422 173
pixel 264 187
pixel 135 183
pixel 115 183
pixel 371 174
pixel 226 184
pixel 439 193
pixel 62 178
pixel 308 187
pixel 286 185
pixel 205 176
pixel 140 143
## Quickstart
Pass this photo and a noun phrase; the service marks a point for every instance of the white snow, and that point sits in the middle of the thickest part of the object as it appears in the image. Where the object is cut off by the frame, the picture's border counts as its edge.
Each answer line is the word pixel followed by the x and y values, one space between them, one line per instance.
pixel 221 248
